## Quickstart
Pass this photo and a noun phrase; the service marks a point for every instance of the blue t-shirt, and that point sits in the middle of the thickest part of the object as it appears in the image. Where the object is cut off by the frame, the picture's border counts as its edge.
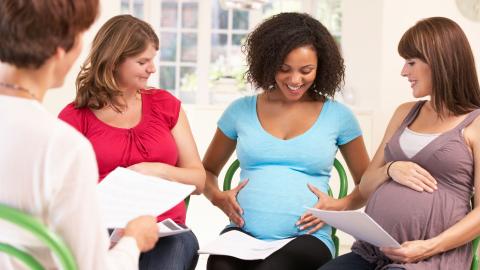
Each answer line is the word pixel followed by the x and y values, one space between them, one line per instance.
pixel 279 170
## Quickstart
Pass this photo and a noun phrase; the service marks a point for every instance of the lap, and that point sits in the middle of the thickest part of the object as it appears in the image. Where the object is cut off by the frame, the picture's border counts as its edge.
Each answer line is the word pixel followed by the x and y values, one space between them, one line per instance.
pixel 173 252
pixel 304 252
pixel 348 261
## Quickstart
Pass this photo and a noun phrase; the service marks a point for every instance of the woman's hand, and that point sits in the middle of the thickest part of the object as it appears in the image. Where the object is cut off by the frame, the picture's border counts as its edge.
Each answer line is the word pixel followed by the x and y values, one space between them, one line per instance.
pixel 308 220
pixel 410 251
pixel 412 175
pixel 147 168
pixel 227 202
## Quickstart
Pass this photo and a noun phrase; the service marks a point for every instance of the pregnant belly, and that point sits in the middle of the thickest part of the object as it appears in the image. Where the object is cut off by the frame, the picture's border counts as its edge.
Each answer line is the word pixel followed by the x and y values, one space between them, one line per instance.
pixel 273 202
pixel 401 211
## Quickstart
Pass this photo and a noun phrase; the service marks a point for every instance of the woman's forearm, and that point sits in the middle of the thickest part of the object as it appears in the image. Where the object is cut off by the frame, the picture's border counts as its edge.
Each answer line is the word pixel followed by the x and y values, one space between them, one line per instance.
pixel 372 179
pixel 459 234
pixel 190 176
pixel 352 201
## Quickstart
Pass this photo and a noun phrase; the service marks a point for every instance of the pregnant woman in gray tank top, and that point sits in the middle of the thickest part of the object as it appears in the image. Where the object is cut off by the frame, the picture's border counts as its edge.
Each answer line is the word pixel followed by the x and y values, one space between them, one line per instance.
pixel 420 192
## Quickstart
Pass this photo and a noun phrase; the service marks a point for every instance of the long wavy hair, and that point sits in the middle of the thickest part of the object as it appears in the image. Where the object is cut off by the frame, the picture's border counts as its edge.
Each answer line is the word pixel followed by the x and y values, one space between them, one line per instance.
pixel 441 43
pixel 120 37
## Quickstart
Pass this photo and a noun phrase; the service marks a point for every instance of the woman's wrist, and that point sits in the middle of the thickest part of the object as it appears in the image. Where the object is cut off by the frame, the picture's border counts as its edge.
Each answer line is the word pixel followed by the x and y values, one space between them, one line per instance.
pixel 389 167
pixel 212 193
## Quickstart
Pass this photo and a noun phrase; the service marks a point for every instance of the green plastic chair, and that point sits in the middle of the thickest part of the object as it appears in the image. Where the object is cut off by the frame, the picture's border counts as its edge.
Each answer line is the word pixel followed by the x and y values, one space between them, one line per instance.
pixel 475 255
pixel 227 185
pixel 474 250
pixel 36 228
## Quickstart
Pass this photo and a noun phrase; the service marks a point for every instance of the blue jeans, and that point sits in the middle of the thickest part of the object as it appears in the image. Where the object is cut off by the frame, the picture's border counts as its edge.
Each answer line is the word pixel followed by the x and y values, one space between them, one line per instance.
pixel 175 252
pixel 351 261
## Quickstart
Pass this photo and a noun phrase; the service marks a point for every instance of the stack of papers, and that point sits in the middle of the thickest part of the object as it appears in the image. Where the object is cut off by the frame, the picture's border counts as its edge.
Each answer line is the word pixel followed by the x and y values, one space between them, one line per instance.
pixel 165 228
pixel 357 224
pixel 243 246
pixel 125 195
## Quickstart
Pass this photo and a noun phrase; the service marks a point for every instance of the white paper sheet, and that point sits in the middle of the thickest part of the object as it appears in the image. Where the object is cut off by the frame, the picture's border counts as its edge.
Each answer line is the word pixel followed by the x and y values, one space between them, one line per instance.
pixel 357 224
pixel 169 227
pixel 125 195
pixel 165 228
pixel 242 246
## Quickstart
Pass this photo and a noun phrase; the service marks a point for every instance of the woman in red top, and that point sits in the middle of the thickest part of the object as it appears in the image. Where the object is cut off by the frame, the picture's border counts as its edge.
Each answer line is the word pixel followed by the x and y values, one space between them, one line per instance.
pixel 141 129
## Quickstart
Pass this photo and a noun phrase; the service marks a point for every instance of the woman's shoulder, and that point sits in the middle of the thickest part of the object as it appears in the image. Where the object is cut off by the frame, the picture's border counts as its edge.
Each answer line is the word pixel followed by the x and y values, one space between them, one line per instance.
pixel 244 102
pixel 74 116
pixel 71 112
pixel 164 106
pixel 404 109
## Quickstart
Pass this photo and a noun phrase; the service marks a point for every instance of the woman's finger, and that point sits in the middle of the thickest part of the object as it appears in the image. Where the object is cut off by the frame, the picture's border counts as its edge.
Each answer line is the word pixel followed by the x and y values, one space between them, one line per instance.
pixel 236 206
pixel 305 220
pixel 240 186
pixel 310 223
pixel 316 228
pixel 425 173
pixel 423 182
pixel 411 184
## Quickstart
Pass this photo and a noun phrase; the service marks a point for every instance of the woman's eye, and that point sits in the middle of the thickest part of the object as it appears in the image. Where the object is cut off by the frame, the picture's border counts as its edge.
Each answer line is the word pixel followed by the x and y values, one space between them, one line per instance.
pixel 306 71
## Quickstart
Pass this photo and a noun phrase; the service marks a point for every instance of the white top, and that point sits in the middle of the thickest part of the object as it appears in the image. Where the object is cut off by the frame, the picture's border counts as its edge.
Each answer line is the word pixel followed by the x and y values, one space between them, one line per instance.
pixel 412 142
pixel 49 170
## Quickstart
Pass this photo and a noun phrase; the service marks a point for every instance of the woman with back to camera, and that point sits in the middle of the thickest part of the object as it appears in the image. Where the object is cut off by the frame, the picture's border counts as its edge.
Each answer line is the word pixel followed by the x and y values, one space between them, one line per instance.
pixel 47 168
pixel 138 128
pixel 422 177
pixel 286 139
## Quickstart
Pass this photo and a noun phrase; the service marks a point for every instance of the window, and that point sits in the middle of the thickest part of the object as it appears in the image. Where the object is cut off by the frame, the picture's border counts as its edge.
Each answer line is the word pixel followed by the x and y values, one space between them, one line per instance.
pixel 200 61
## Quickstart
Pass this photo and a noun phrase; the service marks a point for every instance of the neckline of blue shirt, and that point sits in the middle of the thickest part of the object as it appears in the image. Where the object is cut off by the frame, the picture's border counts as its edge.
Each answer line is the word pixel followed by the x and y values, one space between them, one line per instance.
pixel 308 131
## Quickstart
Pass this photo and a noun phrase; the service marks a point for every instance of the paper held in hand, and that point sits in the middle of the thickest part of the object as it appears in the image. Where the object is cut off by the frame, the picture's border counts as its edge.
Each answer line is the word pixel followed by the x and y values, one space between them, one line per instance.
pixel 242 246
pixel 125 195
pixel 165 228
pixel 358 224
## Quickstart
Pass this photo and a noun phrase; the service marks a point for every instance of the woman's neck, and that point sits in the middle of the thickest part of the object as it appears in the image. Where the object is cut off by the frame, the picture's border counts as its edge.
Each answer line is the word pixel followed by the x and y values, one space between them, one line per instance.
pixel 129 98
pixel 20 82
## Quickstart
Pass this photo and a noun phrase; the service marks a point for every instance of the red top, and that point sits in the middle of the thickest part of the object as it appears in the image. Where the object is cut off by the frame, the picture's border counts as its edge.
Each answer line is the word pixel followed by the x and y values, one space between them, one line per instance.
pixel 150 140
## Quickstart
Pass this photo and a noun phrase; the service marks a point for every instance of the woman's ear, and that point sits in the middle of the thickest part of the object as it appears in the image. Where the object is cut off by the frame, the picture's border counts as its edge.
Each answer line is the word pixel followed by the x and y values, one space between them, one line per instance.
pixel 60 53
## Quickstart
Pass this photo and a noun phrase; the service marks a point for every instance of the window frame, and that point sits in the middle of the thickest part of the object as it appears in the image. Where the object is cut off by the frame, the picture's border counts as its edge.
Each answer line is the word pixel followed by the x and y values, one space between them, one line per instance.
pixel 152 14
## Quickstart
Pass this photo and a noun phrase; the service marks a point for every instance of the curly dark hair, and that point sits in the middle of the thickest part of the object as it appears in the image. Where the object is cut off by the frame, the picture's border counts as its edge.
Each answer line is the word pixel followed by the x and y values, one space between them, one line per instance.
pixel 268 45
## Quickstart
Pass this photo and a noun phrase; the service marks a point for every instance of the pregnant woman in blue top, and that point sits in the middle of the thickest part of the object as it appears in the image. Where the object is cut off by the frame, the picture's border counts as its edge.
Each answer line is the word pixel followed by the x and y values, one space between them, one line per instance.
pixel 286 139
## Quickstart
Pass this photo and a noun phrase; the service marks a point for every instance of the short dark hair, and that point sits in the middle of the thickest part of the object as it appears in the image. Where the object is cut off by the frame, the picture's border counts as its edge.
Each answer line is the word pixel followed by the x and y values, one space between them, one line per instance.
pixel 120 37
pixel 268 45
pixel 32 30
pixel 443 46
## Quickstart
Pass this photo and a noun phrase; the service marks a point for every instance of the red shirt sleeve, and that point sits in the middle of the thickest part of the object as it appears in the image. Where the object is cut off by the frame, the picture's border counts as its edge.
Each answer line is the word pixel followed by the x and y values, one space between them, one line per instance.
pixel 72 117
pixel 165 106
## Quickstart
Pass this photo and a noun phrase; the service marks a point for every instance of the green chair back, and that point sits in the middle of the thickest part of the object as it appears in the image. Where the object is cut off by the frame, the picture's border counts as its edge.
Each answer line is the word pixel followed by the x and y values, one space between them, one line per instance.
pixel 475 255
pixel 475 250
pixel 227 185
pixel 36 228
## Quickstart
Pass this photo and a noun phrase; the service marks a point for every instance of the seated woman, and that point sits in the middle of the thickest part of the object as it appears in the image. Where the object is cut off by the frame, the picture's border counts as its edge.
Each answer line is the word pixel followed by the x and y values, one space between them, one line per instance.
pixel 286 139
pixel 138 128
pixel 47 168
pixel 421 179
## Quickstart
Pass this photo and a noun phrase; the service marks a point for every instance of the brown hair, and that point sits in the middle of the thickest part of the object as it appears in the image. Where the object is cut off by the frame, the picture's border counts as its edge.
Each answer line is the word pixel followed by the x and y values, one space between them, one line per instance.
pixel 120 37
pixel 441 43
pixel 31 31
pixel 268 45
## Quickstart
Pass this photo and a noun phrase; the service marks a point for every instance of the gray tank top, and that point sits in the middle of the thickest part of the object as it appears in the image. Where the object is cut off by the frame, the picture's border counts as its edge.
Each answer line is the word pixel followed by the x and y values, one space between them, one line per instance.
pixel 410 215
